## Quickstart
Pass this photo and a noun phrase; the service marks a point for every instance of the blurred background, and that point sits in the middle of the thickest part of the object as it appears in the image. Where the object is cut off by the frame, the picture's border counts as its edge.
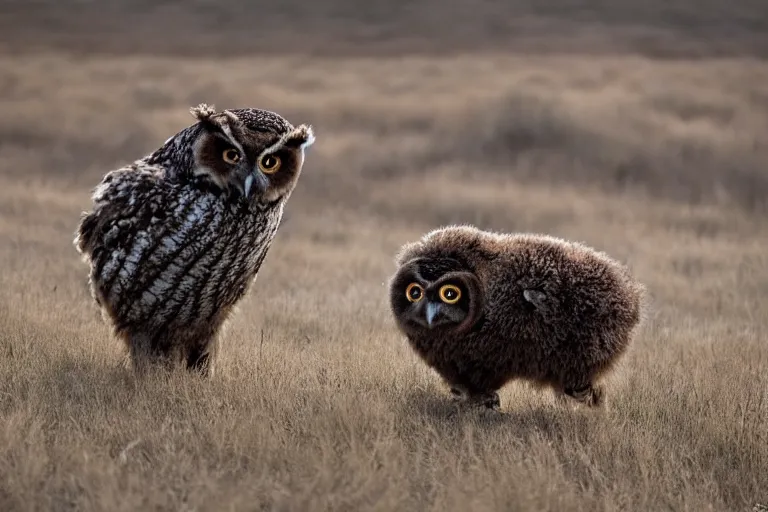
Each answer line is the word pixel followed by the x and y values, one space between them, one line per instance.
pixel 660 97
pixel 584 119
pixel 227 28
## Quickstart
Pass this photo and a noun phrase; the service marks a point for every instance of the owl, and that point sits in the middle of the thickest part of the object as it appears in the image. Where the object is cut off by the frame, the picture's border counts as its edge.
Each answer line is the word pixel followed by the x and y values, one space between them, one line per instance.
pixel 175 239
pixel 483 309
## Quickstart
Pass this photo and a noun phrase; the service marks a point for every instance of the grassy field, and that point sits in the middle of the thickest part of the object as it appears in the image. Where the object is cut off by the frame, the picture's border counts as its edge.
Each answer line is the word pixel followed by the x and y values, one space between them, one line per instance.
pixel 318 404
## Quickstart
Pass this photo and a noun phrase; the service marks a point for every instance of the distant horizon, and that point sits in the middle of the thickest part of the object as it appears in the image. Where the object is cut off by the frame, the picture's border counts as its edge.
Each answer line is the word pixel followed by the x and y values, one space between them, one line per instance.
pixel 695 29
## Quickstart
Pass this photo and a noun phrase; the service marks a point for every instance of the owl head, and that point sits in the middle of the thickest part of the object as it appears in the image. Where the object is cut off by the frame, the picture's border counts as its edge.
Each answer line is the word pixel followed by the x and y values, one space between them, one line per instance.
pixel 252 153
pixel 437 294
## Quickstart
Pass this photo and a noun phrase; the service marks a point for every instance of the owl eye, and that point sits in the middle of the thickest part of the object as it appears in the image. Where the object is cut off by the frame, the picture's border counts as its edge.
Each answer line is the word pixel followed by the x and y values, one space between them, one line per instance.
pixel 414 292
pixel 231 156
pixel 450 294
pixel 269 164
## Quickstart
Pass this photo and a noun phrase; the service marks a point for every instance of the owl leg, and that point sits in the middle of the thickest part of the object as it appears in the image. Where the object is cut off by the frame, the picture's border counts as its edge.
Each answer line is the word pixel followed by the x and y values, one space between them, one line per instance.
pixel 144 353
pixel 202 357
pixel 202 363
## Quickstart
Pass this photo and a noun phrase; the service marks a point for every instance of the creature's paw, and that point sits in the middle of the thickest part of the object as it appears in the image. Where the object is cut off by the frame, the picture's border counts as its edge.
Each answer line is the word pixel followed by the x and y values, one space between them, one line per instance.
pixel 492 401
pixel 589 395
pixel 489 400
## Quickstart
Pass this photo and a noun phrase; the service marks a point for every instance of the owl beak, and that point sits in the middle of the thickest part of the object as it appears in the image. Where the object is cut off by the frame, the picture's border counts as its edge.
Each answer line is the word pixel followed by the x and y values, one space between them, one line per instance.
pixel 433 309
pixel 255 183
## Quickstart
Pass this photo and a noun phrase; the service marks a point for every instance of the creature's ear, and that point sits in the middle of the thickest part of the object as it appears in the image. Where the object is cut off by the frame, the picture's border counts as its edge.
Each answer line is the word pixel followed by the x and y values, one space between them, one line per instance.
pixel 203 112
pixel 223 121
pixel 302 137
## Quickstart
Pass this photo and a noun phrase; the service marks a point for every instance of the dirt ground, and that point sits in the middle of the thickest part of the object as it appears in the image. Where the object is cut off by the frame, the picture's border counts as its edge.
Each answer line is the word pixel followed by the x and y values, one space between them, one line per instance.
pixel 640 131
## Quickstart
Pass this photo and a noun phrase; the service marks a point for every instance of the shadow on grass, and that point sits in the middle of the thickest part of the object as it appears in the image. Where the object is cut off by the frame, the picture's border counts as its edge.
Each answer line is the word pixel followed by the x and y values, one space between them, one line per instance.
pixel 520 421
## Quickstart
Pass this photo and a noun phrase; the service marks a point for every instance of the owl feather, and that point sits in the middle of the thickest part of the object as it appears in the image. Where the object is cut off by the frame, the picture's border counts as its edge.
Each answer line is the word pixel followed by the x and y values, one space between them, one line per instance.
pixel 175 239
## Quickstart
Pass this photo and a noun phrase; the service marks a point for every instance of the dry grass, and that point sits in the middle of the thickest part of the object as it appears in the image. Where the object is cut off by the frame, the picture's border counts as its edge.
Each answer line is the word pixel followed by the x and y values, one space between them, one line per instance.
pixel 319 404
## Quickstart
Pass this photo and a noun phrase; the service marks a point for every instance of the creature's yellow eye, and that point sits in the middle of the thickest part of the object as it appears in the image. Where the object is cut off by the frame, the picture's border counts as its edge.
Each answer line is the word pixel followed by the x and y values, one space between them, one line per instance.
pixel 450 294
pixel 231 156
pixel 414 292
pixel 269 164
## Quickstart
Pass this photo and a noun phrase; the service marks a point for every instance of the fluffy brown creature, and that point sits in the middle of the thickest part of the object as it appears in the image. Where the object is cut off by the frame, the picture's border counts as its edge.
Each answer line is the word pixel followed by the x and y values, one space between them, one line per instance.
pixel 175 239
pixel 483 309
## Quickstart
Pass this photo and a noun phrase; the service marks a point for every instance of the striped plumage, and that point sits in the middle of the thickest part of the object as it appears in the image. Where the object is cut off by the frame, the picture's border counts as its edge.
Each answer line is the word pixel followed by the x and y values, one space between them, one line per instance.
pixel 175 239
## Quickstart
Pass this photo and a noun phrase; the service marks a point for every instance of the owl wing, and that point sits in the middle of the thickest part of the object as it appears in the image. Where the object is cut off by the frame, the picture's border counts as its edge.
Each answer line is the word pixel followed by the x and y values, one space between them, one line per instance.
pixel 119 195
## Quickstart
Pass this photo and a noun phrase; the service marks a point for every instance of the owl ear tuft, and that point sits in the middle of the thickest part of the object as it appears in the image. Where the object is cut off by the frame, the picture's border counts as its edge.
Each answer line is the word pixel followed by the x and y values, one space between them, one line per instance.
pixel 203 112
pixel 224 121
pixel 302 136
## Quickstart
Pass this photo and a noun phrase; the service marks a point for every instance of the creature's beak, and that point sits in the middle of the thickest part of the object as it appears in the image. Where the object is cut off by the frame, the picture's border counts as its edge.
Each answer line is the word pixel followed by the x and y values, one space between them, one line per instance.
pixel 255 185
pixel 432 311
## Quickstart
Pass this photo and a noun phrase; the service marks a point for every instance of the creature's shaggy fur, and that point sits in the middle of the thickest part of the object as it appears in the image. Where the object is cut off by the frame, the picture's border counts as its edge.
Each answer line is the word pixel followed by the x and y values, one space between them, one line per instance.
pixel 532 307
